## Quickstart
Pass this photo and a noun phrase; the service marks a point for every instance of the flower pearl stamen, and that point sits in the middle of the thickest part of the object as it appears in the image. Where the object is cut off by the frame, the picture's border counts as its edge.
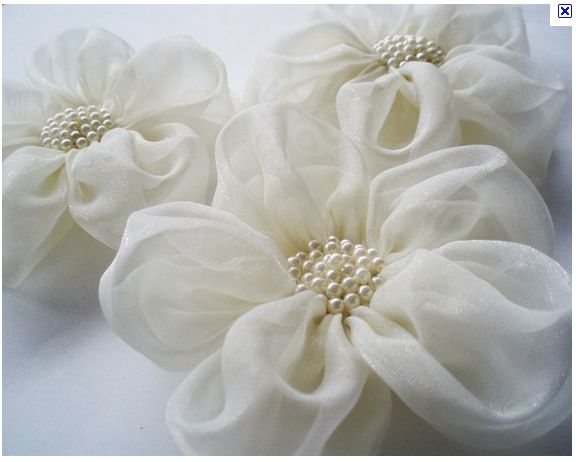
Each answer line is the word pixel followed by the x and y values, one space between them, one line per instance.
pixel 396 50
pixel 343 275
pixel 76 128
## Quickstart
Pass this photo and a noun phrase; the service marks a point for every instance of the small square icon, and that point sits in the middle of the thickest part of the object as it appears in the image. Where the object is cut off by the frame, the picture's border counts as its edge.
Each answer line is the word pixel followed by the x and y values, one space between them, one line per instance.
pixel 564 10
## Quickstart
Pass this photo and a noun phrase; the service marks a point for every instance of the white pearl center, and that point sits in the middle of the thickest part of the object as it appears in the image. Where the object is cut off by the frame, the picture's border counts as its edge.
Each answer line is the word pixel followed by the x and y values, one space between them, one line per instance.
pixel 344 275
pixel 76 128
pixel 396 50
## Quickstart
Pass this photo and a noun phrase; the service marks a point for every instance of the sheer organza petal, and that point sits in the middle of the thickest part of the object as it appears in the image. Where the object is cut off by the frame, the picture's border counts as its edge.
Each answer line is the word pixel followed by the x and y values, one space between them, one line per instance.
pixel 399 116
pixel 24 112
pixel 128 171
pixel 284 381
pixel 182 276
pixel 35 209
pixel 174 80
pixel 454 25
pixel 508 100
pixel 79 66
pixel 448 25
pixel 475 338
pixel 308 68
pixel 362 21
pixel 290 176
pixel 467 192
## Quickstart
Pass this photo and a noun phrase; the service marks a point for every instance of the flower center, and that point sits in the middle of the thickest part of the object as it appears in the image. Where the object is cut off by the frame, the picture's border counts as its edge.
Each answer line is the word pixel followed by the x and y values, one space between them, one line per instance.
pixel 396 50
pixel 344 275
pixel 76 128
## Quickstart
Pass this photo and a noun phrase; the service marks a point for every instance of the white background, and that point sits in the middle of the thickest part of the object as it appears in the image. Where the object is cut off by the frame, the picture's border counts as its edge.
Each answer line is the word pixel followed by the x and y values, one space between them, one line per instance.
pixel 69 385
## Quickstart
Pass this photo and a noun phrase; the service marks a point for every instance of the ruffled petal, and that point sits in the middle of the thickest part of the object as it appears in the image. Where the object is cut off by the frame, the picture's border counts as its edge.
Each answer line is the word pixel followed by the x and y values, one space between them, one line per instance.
pixel 508 100
pixel 308 68
pixel 35 209
pixel 290 176
pixel 174 80
pixel 468 192
pixel 128 171
pixel 79 65
pixel 399 116
pixel 182 276
pixel 284 381
pixel 475 338
pixel 24 112
pixel 455 25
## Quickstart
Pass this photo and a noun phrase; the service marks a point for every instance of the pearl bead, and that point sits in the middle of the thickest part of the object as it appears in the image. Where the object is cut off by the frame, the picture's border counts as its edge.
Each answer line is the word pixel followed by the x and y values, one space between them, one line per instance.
pixel 307 278
pixel 351 301
pixel 333 290
pixel 363 261
pixel 335 306
pixel 82 142
pixel 72 128
pixel 348 268
pixel 342 274
pixel 348 284
pixel 295 272
pixel 319 267
pixel 365 293
pixel 301 288
pixel 333 275
pixel 378 263
pixel 331 246
pixel 396 50
pixel 65 145
pixel 317 285
pixel 315 255
pixel 362 275
pixel 312 245
pixel 293 261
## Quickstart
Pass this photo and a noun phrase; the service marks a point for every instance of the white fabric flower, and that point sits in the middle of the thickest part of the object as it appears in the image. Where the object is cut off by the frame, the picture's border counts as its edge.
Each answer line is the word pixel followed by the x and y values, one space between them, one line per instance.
pixel 99 132
pixel 473 335
pixel 470 82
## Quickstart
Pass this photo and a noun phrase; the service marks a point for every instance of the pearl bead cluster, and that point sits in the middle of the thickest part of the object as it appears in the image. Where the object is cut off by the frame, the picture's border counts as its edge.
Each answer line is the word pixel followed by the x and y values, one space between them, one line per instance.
pixel 343 274
pixel 76 128
pixel 396 50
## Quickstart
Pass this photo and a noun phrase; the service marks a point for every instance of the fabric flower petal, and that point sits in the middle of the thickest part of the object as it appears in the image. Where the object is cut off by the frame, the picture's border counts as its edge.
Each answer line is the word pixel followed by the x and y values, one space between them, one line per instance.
pixel 291 177
pixel 174 80
pixel 508 100
pixel 35 209
pixel 468 192
pixel 475 338
pixel 284 381
pixel 399 116
pixel 454 25
pixel 308 68
pixel 24 112
pixel 128 171
pixel 182 276
pixel 79 65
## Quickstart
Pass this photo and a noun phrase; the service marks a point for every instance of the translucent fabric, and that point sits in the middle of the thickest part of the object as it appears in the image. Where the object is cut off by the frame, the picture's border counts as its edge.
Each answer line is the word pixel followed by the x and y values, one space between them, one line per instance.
pixel 470 329
pixel 488 90
pixel 160 148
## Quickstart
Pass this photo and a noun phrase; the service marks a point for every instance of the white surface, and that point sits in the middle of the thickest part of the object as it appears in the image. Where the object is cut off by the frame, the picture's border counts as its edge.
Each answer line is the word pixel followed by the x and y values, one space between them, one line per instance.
pixel 69 385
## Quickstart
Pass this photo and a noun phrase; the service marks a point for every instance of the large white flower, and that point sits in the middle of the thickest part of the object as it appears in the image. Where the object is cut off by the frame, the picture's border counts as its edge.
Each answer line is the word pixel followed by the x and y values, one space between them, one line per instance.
pixel 425 78
pixel 99 132
pixel 297 338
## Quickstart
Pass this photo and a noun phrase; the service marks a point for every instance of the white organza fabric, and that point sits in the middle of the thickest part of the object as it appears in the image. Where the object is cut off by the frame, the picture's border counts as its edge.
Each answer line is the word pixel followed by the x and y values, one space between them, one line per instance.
pixel 488 90
pixel 168 103
pixel 471 328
